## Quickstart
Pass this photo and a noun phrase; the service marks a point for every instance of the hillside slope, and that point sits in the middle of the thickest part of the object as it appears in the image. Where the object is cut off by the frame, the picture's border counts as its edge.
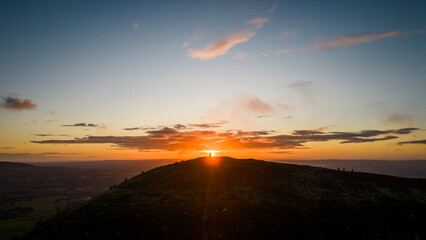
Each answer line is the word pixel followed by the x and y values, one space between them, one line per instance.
pixel 247 199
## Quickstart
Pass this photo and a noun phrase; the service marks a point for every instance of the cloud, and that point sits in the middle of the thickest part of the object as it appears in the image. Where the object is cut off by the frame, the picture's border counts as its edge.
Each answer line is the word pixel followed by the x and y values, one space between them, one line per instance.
pixel 268 53
pixel 413 142
pixel 135 25
pixel 288 34
pixel 361 38
pixel 364 140
pixel 398 118
pixel 5 148
pixel 258 22
pixel 80 125
pixel 17 104
pixel 274 7
pixel 282 152
pixel 222 44
pixel 242 106
pixel 142 128
pixel 132 128
pixel 281 51
pixel 171 139
pixel 179 126
pixel 238 55
pixel 305 89
pixel 50 135
pixel 208 125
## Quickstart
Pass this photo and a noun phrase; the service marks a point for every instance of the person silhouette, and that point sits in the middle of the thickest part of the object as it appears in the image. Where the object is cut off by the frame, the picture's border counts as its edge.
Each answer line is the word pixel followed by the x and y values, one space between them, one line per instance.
pixel 210 155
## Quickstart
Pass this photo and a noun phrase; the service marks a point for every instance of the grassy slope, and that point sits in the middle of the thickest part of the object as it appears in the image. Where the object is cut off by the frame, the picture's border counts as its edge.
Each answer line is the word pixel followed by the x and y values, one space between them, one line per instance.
pixel 248 199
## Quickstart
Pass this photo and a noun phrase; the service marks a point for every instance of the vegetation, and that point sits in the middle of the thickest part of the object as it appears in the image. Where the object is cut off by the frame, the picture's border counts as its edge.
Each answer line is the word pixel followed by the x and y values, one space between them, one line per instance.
pixel 31 194
pixel 247 199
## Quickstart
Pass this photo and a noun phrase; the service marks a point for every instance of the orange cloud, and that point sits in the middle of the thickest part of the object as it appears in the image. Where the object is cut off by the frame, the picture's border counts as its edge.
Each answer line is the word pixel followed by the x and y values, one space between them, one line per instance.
pixel 172 139
pixel 222 44
pixel 258 22
pixel 362 38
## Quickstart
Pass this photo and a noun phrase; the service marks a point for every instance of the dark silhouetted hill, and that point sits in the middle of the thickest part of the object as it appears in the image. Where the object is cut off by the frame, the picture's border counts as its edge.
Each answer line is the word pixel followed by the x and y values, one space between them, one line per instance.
pixel 247 199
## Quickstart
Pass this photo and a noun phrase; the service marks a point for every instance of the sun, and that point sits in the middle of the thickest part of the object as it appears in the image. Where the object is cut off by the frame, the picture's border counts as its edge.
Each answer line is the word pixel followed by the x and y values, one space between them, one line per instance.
pixel 212 160
pixel 211 153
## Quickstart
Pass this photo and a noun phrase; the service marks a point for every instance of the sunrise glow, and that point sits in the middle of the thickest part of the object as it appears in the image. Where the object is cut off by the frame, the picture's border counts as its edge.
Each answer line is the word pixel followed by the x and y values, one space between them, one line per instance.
pixel 254 79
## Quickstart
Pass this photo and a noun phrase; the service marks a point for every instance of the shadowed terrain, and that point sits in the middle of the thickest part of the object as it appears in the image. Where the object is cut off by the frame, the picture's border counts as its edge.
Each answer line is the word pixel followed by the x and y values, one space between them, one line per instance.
pixel 247 199
pixel 30 194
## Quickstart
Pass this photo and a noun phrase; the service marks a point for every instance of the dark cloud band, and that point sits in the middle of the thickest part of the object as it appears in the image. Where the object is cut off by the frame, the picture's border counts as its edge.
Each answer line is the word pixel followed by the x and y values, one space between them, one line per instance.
pixel 172 139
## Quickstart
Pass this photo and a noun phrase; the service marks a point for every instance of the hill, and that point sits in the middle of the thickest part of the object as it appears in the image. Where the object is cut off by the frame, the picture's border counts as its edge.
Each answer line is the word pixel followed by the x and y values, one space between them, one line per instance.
pixel 247 199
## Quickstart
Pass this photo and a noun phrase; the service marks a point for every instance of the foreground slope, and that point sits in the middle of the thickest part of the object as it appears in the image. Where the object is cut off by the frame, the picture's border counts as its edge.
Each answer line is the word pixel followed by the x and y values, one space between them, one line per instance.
pixel 247 199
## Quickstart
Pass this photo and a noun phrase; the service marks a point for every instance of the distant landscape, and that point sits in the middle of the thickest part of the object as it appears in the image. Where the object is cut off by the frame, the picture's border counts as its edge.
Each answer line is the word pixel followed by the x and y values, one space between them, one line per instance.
pixel 31 193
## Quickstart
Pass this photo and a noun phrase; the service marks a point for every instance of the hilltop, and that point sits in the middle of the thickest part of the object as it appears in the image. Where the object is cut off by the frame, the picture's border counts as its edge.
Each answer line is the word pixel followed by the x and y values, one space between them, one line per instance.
pixel 247 199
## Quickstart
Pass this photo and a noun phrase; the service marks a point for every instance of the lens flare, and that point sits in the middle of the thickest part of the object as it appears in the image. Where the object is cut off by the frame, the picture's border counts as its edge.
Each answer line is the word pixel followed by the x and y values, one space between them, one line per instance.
pixel 211 159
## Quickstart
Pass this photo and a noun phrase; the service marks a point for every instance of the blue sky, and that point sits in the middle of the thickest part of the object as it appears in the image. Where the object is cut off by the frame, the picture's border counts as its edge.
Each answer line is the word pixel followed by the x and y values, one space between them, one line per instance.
pixel 346 66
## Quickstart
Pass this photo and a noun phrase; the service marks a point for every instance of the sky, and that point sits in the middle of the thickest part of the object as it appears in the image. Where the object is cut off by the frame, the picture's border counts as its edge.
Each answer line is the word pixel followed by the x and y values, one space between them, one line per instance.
pixel 258 79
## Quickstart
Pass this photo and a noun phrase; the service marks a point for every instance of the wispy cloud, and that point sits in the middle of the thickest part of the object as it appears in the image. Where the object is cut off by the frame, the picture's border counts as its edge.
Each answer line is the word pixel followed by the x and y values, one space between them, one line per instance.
pixel 305 88
pixel 180 126
pixel 288 34
pixel 423 141
pixel 361 38
pixel 238 55
pixel 268 53
pixel 135 25
pixel 399 118
pixel 17 104
pixel 50 135
pixel 5 148
pixel 274 7
pixel 142 128
pixel 80 125
pixel 242 106
pixel 208 125
pixel 258 22
pixel 171 139
pixel 281 51
pixel 222 44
